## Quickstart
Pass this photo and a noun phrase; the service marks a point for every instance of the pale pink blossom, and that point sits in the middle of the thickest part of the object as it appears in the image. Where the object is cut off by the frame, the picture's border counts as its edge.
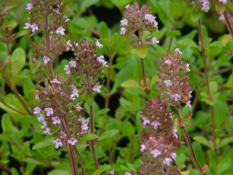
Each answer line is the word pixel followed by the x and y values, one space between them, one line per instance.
pixel 41 118
pixel 29 6
pixel 167 161
pixel 149 18
pixel 155 124
pixel 60 30
pixel 46 59
pixel 168 83
pixel 55 81
pixel 223 1
pixel 68 45
pixel 155 153
pixel 49 111
pixel 27 26
pixel 173 155
pixel 72 141
pixel 34 28
pixel 154 40
pixel 127 6
pixel 74 94
pixel 146 121
pixel 177 52
pixel 44 125
pixel 168 62
pixel 221 18
pixel 128 173
pixel 67 69
pixel 97 88
pixel 97 44
pixel 124 22
pixel 188 104
pixel 58 143
pixel 37 110
pixel 123 30
pixel 112 173
pixel 56 120
pixel 72 64
pixel 187 67
pixel 143 148
pixel 176 97
pixel 47 131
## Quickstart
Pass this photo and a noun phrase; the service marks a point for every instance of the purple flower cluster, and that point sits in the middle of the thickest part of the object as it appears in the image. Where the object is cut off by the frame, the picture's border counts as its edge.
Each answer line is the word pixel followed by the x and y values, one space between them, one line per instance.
pixel 173 74
pixel 159 139
pixel 59 111
pixel 86 64
pixel 138 20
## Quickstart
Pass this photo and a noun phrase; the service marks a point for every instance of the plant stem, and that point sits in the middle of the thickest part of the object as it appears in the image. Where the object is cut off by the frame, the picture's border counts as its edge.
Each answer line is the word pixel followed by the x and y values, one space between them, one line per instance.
pixel 70 159
pixel 80 159
pixel 228 23
pixel 92 143
pixel 50 66
pixel 170 44
pixel 208 86
pixel 144 79
pixel 12 108
pixel 188 141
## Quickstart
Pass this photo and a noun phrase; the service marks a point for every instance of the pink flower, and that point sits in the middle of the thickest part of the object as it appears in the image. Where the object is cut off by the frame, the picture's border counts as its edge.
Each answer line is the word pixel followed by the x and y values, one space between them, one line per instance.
pixel 127 6
pixel 155 124
pixel 47 131
pixel 176 97
pixel 37 110
pixel 67 69
pixel 41 118
pixel 173 155
pixel 60 30
pixel 34 28
pixel 49 111
pixel 187 68
pixel 155 153
pixel 221 18
pixel 102 61
pixel 56 120
pixel 188 104
pixel 167 161
pixel 171 116
pixel 154 40
pixel 97 44
pixel 97 88
pixel 123 30
pixel 72 141
pixel 223 1
pixel 112 173
pixel 124 22
pixel 55 81
pixel 150 18
pixel 143 148
pixel 68 45
pixel 58 143
pixel 29 6
pixel 72 64
pixel 168 83
pixel 145 121
pixel 74 94
pixel 44 125
pixel 128 173
pixel 27 26
pixel 177 52
pixel 46 59
pixel 168 62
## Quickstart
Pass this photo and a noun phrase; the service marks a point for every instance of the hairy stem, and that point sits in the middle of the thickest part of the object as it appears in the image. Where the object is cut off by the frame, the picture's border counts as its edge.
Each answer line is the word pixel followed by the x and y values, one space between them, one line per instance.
pixel 228 23
pixel 144 79
pixel 208 86
pixel 92 143
pixel 188 141
pixel 71 159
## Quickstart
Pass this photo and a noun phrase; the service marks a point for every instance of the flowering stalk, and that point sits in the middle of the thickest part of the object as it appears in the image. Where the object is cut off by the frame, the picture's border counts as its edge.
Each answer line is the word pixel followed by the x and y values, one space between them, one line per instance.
pixel 208 86
pixel 228 23
pixel 144 78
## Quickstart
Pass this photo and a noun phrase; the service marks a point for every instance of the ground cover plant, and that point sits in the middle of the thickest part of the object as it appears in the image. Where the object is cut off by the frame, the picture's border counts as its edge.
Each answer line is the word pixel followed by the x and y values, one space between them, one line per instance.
pixel 116 87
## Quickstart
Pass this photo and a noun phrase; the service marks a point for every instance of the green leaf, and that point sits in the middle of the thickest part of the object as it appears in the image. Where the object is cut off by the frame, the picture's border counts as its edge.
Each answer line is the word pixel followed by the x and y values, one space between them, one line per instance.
pixel 217 44
pixel 43 144
pixel 29 90
pixel 17 78
pixel 108 134
pixel 173 33
pixel 59 172
pixel 85 4
pixel 104 31
pixel 21 33
pixel 88 136
pixel 187 42
pixel 131 84
pixel 6 9
pixel 9 24
pixel 226 141
pixel 214 94
pixel 202 140
pixel 34 161
pixel 195 16
pixel 230 82
pixel 142 51
pixel 199 153
pixel 6 123
pixel 101 112
pixel 18 59
pixel 102 169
